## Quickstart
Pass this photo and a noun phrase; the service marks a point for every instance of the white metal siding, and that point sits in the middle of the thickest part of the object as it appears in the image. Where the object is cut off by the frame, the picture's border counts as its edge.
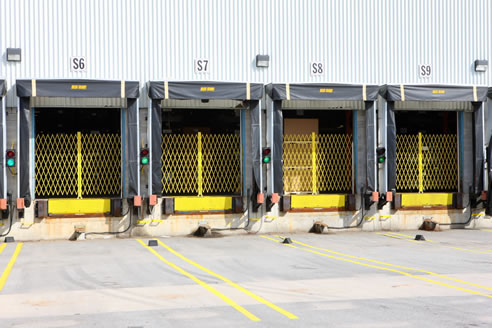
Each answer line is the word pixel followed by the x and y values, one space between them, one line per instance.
pixel 360 41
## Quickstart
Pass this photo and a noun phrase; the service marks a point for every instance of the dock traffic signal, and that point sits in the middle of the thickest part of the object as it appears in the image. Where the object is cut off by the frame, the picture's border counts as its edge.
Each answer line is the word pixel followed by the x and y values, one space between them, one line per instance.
pixel 144 156
pixel 10 157
pixel 381 154
pixel 266 155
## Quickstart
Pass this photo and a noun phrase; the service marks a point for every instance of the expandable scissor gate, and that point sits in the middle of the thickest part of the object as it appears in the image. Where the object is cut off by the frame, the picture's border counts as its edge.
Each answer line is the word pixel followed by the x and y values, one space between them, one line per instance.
pixel 427 162
pixel 77 165
pixel 315 163
pixel 199 164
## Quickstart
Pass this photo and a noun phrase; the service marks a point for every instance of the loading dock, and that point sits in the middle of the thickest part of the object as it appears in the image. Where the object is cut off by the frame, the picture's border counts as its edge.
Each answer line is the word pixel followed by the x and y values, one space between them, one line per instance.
pixel 435 144
pixel 197 139
pixel 315 137
pixel 77 140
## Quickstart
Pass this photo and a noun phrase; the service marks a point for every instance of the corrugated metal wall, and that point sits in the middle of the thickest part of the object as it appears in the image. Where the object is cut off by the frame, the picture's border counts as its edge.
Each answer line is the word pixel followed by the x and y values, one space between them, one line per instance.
pixel 360 41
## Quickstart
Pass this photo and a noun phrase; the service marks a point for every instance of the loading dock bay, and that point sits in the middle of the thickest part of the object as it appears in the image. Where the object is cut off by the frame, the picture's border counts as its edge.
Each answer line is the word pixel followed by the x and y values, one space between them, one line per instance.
pixel 348 279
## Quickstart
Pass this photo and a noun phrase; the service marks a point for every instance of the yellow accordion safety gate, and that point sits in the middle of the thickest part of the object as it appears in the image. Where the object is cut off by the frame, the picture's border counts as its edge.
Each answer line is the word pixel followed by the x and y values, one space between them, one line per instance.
pixel 77 165
pixel 427 162
pixel 198 164
pixel 315 163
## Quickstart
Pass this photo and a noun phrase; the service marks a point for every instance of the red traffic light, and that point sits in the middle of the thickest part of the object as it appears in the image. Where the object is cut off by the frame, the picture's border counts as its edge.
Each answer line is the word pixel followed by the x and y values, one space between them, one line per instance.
pixel 266 151
pixel 144 152
pixel 10 153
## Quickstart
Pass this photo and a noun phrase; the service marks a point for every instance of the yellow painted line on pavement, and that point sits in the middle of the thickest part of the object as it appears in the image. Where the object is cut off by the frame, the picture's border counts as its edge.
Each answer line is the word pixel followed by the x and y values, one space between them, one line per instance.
pixel 396 237
pixel 2 247
pixel 214 291
pixel 6 272
pixel 487 230
pixel 410 238
pixel 233 284
pixel 398 271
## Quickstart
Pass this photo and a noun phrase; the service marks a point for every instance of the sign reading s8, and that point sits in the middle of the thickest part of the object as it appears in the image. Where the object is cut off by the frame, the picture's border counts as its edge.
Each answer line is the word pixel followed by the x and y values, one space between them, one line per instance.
pixel 317 68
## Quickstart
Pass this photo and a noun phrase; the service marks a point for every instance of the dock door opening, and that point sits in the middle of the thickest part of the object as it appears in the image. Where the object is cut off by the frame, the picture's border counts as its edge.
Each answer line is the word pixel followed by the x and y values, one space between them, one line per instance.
pixel 426 151
pixel 317 151
pixel 77 152
pixel 201 151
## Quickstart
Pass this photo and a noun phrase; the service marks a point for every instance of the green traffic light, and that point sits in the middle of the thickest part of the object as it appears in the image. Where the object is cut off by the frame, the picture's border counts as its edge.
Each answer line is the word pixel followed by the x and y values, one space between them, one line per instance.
pixel 266 159
pixel 144 160
pixel 10 162
pixel 381 159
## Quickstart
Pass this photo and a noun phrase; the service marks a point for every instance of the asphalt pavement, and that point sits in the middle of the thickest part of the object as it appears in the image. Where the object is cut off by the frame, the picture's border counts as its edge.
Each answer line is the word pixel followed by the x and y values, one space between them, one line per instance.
pixel 343 279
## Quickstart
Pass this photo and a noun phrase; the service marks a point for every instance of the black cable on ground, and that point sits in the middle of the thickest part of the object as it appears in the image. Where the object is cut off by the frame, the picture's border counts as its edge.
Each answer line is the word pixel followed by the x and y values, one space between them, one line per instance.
pixel 471 212
pixel 463 223
pixel 361 209
pixel 238 228
pixel 116 232
pixel 11 216
pixel 229 229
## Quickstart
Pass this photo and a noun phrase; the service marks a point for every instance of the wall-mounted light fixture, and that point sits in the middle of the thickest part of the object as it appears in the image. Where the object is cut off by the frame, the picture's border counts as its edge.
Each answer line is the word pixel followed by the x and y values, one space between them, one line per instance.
pixel 14 54
pixel 481 65
pixel 262 60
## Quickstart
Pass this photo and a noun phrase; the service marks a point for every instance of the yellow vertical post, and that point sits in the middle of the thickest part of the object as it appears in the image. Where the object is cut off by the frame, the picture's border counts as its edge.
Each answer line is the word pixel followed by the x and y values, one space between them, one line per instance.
pixel 200 169
pixel 313 159
pixel 421 167
pixel 79 165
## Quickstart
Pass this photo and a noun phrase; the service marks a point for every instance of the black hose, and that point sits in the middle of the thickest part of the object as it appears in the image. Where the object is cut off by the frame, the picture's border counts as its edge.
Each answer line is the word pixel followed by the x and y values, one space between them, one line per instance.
pixel 116 232
pixel 238 228
pixel 463 223
pixel 361 209
pixel 11 216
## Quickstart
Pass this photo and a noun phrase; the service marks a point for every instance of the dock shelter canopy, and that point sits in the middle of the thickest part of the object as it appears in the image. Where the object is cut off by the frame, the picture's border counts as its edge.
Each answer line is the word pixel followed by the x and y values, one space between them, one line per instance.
pixel 433 92
pixel 249 93
pixel 128 90
pixel 3 133
pixel 323 92
pixel 474 95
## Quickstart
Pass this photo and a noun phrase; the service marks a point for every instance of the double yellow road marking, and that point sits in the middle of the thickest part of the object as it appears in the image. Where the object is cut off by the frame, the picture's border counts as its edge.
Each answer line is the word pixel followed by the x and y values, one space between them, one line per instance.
pixel 396 237
pixel 348 258
pixel 410 239
pixel 226 299
pixel 10 265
